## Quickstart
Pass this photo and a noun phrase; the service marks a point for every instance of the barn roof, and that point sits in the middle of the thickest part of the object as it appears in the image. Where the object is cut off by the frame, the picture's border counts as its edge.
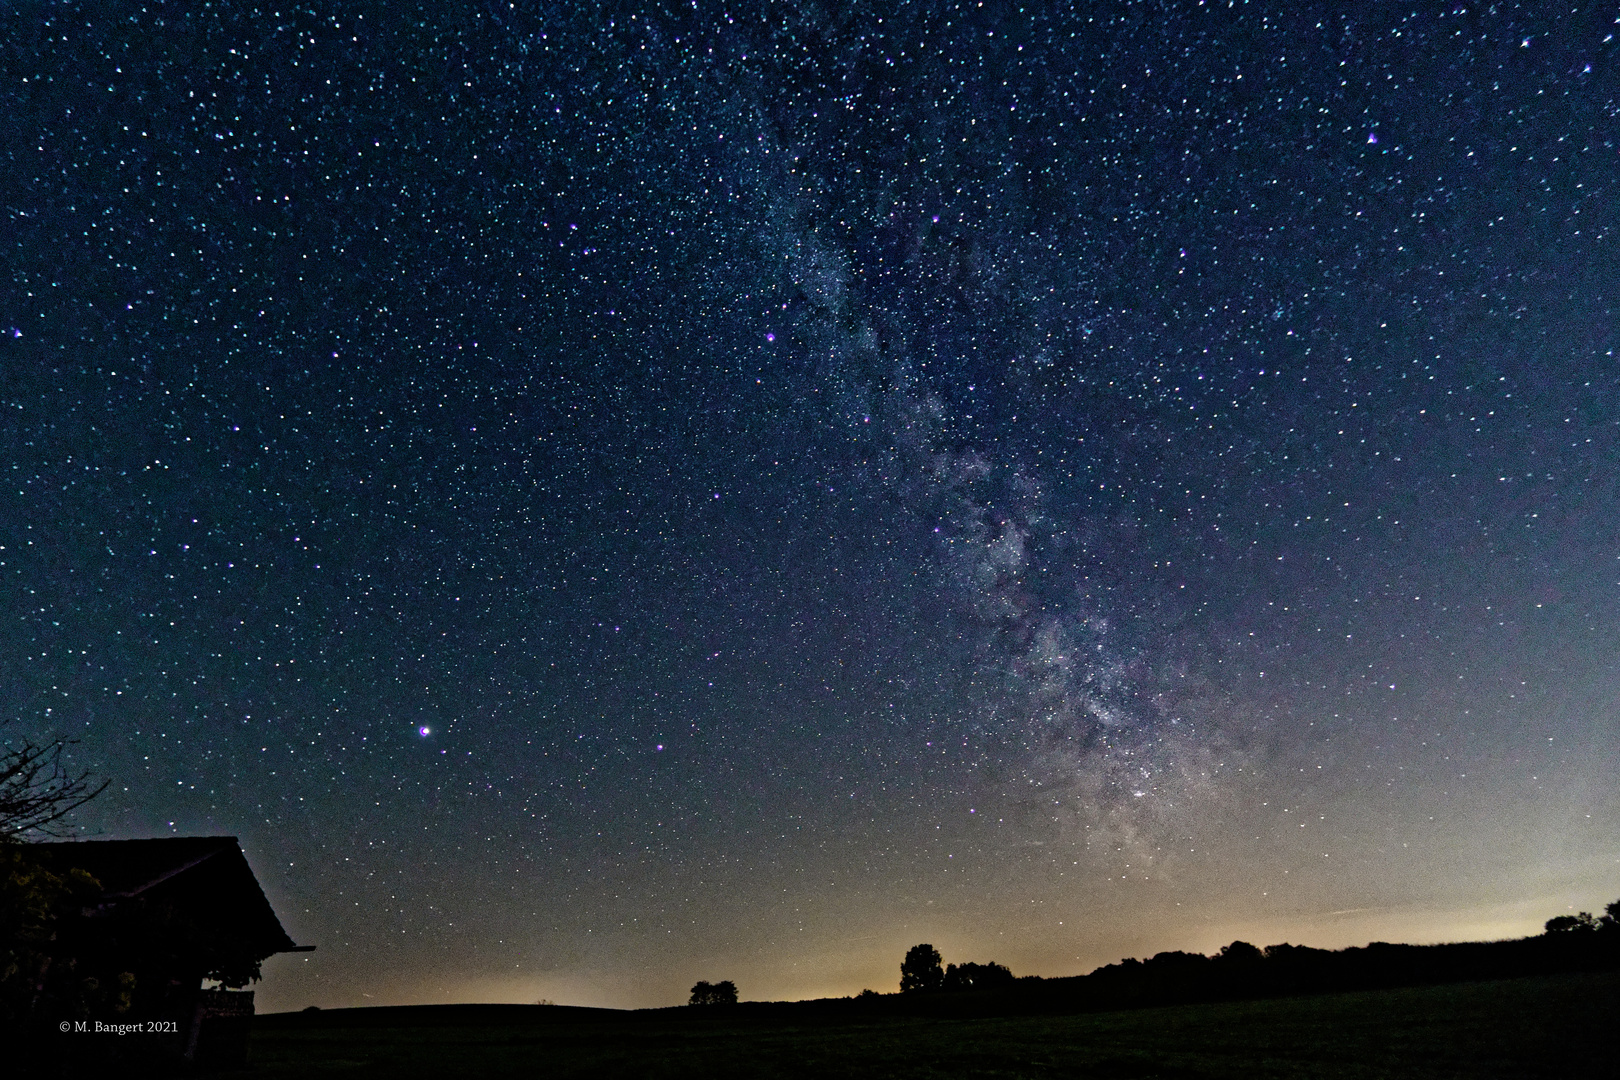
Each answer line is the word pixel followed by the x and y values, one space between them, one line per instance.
pixel 207 874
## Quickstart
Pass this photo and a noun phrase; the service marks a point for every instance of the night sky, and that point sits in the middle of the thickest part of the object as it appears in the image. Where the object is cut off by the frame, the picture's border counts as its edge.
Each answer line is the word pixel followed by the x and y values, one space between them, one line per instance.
pixel 597 500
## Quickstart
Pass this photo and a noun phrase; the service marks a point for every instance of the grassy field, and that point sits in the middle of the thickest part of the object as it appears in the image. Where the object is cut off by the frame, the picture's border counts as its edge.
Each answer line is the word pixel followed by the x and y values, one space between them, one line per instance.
pixel 1561 1026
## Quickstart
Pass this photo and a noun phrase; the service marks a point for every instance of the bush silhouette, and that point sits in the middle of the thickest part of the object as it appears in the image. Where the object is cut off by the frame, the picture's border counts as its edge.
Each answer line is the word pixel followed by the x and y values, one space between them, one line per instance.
pixel 977 976
pixel 720 993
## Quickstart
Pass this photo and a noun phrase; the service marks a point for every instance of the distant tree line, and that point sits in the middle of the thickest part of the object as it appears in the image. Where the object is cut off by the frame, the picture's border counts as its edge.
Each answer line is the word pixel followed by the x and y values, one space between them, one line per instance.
pixel 1240 970
pixel 1569 943
pixel 930 987
pixel 1609 920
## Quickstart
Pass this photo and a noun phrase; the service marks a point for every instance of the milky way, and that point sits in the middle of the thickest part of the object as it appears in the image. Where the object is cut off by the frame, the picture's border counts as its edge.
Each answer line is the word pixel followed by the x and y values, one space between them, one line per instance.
pixel 597 500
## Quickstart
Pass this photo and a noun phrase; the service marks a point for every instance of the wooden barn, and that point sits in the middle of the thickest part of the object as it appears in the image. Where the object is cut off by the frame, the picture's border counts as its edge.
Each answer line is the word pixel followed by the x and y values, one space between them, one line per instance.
pixel 160 919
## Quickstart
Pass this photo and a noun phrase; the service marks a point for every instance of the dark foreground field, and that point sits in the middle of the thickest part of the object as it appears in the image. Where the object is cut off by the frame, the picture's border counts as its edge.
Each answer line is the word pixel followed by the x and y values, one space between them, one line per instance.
pixel 1555 1026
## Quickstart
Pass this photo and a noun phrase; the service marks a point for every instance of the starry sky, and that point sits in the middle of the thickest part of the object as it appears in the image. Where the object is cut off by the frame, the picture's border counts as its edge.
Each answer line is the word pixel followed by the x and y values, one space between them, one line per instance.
pixel 602 497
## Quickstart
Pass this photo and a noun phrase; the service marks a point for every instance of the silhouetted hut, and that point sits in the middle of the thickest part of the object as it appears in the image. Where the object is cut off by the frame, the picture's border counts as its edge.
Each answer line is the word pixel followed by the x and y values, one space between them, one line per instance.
pixel 163 917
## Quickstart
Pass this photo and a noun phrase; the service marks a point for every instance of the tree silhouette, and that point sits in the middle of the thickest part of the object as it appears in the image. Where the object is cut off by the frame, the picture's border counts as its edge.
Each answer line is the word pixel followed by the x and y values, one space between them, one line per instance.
pixel 920 971
pixel 37 791
pixel 720 993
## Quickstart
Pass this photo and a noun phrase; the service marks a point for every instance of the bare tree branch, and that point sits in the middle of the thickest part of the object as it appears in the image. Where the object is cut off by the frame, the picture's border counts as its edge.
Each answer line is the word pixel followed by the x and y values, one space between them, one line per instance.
pixel 37 791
